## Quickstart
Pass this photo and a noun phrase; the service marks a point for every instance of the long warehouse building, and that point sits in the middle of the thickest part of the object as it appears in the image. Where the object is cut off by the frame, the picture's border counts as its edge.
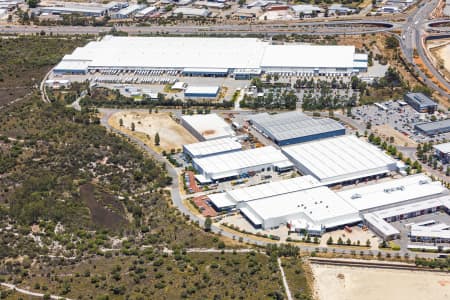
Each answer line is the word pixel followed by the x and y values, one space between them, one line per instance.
pixel 210 56
pixel 231 165
pixel 295 127
pixel 343 159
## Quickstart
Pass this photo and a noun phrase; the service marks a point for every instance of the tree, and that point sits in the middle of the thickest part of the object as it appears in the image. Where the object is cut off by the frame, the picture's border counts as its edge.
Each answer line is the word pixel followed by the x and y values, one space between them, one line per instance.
pixel 368 243
pixel 120 122
pixel 348 242
pixel 208 224
pixel 340 241
pixel 391 42
pixel 33 3
pixel 157 139
pixel 330 241
pixel 132 126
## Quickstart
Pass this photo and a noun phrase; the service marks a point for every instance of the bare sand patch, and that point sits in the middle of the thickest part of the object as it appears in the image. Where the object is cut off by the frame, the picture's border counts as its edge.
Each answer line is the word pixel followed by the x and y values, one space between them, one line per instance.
pixel 172 135
pixel 386 131
pixel 346 283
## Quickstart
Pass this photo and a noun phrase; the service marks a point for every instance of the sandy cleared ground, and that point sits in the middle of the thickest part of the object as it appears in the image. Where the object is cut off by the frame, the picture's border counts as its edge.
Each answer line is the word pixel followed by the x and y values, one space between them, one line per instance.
pixel 344 283
pixel 172 135
pixel 444 54
pixel 399 138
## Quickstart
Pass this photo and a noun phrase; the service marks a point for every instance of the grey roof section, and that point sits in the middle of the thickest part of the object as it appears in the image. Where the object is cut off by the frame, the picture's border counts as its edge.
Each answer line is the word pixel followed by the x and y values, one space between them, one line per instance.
pixel 421 99
pixel 294 124
pixel 431 126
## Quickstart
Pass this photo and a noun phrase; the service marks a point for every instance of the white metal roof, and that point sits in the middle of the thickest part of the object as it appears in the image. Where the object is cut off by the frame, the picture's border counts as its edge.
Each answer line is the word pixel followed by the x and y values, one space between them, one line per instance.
pixel 189 11
pixel 232 197
pixel 147 10
pixel 318 205
pixel 340 159
pixel 409 208
pixel 212 147
pixel 221 200
pixel 210 126
pixel 384 227
pixel 294 124
pixel 273 188
pixel 219 53
pixel 430 232
pixel 308 56
pixel 234 161
pixel 444 148
pixel 201 89
pixel 392 192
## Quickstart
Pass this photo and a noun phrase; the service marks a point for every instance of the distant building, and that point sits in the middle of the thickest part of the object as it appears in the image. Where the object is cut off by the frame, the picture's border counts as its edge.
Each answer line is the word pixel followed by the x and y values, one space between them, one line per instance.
pixel 442 151
pixel 201 92
pixel 127 12
pixel 306 10
pixel 421 102
pixel 433 128
pixel 207 127
pixel 192 12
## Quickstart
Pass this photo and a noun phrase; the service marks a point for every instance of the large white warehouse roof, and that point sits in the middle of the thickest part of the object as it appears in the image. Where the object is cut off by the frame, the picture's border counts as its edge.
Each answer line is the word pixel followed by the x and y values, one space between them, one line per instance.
pixel 317 206
pixel 211 147
pixel 233 197
pixel 392 193
pixel 210 53
pixel 233 163
pixel 208 127
pixel 340 159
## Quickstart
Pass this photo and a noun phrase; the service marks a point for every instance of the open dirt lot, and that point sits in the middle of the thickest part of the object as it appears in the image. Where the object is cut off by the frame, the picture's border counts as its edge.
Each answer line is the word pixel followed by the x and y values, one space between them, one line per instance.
pixel 172 135
pixel 344 283
pixel 399 138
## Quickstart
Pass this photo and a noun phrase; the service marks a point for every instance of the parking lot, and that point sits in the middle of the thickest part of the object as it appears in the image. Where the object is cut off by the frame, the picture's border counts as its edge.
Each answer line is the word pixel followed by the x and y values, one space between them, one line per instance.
pixel 400 117
pixel 403 227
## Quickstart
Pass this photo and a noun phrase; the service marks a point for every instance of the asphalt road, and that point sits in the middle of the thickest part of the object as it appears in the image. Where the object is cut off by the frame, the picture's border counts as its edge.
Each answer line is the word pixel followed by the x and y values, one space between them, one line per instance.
pixel 413 32
pixel 177 202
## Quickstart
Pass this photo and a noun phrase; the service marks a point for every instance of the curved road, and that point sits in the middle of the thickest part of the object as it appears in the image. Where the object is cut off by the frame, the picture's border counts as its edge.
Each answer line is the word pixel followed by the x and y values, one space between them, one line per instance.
pixel 177 202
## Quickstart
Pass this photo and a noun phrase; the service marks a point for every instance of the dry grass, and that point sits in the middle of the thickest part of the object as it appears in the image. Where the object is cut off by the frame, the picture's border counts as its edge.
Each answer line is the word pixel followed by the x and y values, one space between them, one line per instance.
pixel 172 135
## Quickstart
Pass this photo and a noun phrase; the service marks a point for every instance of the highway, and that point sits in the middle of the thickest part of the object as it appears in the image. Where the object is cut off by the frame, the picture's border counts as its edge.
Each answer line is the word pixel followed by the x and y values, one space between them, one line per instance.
pixel 412 36
pixel 308 28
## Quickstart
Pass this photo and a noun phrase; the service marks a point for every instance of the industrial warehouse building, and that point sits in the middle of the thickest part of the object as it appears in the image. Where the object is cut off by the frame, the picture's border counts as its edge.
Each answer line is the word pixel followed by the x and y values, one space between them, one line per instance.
pixel 210 56
pixel 304 203
pixel 433 128
pixel 201 92
pixel 421 102
pixel 442 151
pixel 235 164
pixel 317 208
pixel 232 198
pixel 295 127
pixel 343 159
pixel 207 127
pixel 211 147
pixel 392 193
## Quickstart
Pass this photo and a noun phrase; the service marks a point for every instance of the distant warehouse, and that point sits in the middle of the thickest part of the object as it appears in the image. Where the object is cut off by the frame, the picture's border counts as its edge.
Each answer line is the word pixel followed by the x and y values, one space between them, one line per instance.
pixel 201 92
pixel 207 127
pixel 433 128
pixel 421 102
pixel 199 56
pixel 295 127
